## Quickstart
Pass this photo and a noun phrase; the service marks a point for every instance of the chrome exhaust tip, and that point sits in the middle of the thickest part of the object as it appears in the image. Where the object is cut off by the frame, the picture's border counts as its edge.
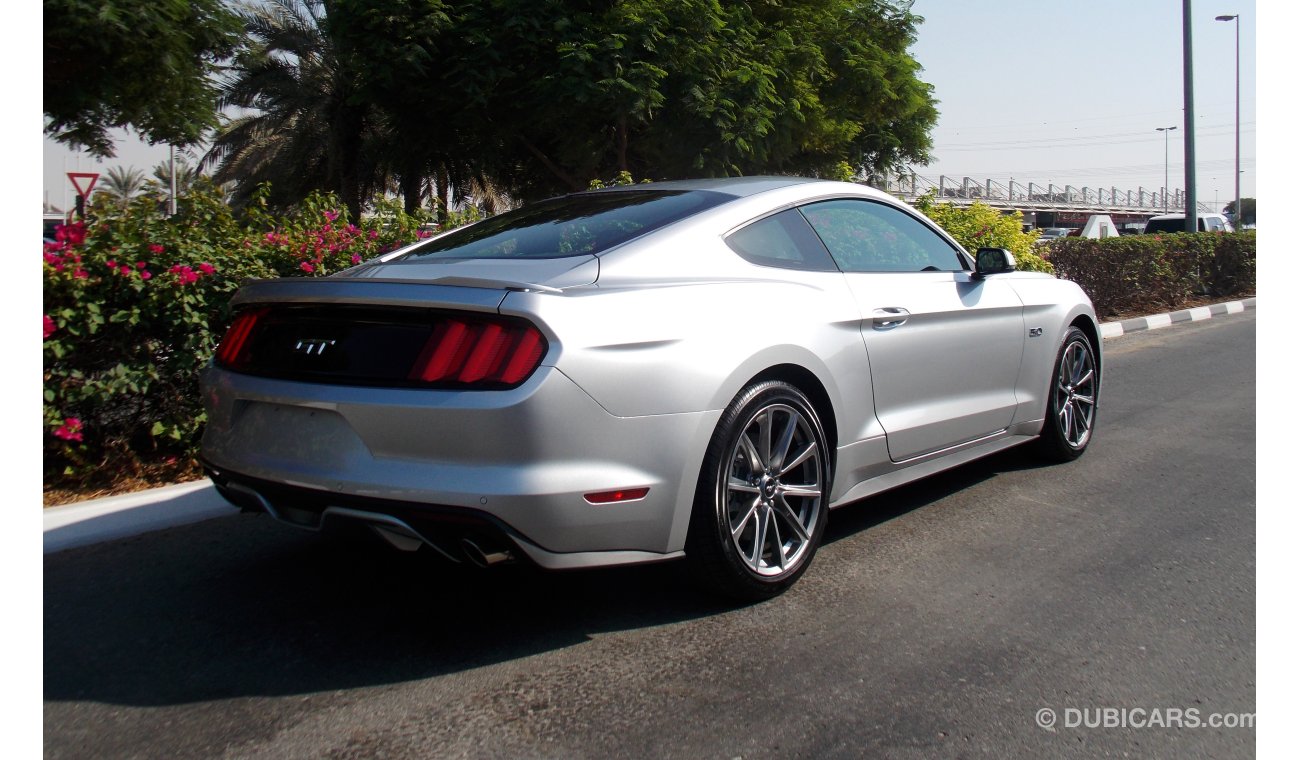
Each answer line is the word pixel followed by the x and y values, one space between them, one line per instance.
pixel 484 558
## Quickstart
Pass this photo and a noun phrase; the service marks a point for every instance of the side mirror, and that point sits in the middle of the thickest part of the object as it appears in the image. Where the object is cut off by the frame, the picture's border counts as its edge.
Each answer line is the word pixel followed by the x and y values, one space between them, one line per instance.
pixel 993 261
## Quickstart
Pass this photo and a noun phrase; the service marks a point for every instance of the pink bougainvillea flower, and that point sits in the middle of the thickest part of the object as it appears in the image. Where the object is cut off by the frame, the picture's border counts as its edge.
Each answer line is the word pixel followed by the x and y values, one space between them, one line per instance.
pixel 155 248
pixel 331 215
pixel 70 430
pixel 141 264
pixel 53 258
pixel 71 234
pixel 206 268
pixel 352 229
pixel 80 274
pixel 49 327
pixel 145 275
pixel 356 258
pixel 307 267
pixel 184 275
pixel 422 234
pixel 124 269
pixel 112 264
pixel 374 234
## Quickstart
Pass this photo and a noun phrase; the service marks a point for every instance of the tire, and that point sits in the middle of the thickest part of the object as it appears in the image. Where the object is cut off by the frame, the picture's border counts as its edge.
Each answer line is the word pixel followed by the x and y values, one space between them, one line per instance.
pixel 1072 400
pixel 762 497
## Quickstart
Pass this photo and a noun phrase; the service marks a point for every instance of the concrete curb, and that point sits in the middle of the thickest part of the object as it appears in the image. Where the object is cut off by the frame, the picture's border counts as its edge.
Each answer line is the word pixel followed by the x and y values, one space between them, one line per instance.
pixel 1156 321
pixel 113 517
pixel 99 520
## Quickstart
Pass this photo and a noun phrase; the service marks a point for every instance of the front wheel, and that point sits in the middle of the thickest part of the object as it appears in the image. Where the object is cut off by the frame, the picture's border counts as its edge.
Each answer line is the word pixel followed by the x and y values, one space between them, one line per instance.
pixel 1072 402
pixel 761 501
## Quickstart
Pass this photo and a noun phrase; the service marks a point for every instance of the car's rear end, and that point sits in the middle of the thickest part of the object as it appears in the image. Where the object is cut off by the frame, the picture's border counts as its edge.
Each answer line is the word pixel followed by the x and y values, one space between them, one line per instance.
pixel 422 395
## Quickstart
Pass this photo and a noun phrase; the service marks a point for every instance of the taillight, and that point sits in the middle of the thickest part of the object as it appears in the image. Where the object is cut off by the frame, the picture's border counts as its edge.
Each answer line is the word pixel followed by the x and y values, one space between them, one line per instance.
pixel 237 336
pixel 479 351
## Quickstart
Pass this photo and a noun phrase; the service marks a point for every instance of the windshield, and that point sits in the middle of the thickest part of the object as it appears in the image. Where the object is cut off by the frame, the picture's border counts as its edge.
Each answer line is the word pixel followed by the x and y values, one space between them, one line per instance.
pixel 573 225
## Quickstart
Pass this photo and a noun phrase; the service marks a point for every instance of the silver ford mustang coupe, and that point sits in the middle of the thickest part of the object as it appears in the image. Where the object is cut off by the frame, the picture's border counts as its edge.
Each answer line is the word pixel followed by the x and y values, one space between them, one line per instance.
pixel 697 368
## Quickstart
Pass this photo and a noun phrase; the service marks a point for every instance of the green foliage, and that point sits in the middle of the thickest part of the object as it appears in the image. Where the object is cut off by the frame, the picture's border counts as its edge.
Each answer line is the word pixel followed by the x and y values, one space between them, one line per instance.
pixel 982 226
pixel 533 96
pixel 623 178
pixel 135 303
pixel 1142 273
pixel 144 64
pixel 1247 211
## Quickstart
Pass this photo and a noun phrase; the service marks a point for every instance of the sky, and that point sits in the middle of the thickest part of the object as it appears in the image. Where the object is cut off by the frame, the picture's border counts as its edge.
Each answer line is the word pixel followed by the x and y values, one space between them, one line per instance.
pixel 1072 93
pixel 1036 90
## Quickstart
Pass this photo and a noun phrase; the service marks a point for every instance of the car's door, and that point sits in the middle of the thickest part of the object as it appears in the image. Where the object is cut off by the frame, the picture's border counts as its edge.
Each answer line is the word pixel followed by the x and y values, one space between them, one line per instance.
pixel 944 346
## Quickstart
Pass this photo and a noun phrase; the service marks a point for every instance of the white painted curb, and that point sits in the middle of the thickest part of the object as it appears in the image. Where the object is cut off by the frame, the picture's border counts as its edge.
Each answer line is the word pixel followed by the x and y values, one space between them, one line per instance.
pixel 113 517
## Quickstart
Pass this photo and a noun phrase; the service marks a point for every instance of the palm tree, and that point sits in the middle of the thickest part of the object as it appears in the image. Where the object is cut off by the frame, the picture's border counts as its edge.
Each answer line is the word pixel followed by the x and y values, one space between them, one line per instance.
pixel 185 176
pixel 303 126
pixel 120 185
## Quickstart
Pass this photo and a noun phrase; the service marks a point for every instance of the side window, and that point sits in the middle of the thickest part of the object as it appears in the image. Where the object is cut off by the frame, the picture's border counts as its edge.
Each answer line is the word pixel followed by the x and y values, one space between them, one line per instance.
pixel 864 236
pixel 782 240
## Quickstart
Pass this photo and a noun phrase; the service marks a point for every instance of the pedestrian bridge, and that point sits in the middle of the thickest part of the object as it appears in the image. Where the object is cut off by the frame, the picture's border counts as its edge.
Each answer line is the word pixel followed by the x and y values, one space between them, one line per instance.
pixel 963 191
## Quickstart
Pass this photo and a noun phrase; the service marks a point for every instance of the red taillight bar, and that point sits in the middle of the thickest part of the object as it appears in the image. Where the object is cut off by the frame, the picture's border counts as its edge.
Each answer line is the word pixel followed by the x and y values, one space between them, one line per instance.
pixel 474 351
pixel 237 336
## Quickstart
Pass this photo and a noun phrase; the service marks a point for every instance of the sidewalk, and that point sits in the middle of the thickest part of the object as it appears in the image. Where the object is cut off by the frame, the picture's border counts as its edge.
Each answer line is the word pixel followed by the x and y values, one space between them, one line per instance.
pixel 98 520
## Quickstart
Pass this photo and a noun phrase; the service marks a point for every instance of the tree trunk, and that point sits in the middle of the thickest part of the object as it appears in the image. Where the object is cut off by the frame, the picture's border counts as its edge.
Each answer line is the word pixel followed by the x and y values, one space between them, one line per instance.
pixel 440 182
pixel 412 185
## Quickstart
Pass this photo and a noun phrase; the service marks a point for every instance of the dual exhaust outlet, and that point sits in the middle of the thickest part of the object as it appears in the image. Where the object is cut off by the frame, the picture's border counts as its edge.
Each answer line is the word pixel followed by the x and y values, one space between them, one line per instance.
pixel 484 557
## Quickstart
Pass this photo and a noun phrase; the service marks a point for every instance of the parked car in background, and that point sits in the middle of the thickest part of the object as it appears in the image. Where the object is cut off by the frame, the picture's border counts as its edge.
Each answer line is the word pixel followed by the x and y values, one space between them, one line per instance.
pixel 51 224
pixel 1178 223
pixel 636 374
pixel 1048 234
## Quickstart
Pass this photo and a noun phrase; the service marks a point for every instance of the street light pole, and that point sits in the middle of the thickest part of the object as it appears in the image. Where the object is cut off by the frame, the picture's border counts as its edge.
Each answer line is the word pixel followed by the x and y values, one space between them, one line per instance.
pixel 1165 190
pixel 1236 18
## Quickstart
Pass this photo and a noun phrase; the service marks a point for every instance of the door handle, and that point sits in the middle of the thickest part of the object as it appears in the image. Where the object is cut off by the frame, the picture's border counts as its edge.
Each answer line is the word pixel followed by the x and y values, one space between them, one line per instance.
pixel 889 317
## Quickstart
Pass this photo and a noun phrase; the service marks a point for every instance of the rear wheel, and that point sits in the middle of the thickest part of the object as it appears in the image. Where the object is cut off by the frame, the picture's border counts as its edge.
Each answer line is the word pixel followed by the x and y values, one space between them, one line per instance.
pixel 1072 403
pixel 760 505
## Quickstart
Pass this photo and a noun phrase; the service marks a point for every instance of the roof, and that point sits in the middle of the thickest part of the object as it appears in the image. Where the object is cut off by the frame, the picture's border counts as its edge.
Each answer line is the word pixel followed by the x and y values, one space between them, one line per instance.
pixel 737 186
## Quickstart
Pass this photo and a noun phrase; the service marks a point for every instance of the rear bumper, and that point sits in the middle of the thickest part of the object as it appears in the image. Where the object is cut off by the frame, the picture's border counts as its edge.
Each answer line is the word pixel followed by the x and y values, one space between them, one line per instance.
pixel 442 528
pixel 516 463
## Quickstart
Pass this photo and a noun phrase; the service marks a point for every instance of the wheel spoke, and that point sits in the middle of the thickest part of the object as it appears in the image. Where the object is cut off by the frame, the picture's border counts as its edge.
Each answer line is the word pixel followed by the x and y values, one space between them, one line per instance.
pixel 783 444
pixel 736 484
pixel 765 439
pixel 740 527
pixel 778 547
pixel 788 513
pixel 811 489
pixel 751 455
pixel 808 451
pixel 760 538
pixel 1085 399
pixel 1087 376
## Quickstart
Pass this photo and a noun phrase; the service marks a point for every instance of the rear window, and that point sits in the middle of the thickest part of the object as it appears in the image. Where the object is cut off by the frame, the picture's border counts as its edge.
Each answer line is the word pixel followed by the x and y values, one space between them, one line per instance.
pixel 573 225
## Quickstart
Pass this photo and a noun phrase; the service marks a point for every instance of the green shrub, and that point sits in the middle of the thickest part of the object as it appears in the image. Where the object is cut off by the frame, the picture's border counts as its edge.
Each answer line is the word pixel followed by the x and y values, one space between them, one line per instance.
pixel 136 301
pixel 1135 273
pixel 982 226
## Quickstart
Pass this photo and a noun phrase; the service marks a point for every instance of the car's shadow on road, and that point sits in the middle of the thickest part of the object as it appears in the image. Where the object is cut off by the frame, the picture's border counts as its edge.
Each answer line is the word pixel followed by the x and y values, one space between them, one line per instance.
pixel 245 607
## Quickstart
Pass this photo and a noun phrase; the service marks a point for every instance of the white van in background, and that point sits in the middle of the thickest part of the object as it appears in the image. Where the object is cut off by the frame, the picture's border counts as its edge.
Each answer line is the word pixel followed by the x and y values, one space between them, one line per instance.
pixel 1178 223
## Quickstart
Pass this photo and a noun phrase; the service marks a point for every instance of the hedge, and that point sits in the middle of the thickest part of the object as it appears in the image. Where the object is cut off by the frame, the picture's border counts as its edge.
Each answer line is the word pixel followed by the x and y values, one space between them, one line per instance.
pixel 135 302
pixel 1152 273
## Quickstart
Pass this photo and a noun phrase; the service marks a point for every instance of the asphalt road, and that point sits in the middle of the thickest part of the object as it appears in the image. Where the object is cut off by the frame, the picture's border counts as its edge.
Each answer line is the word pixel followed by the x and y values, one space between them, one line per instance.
pixel 936 622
